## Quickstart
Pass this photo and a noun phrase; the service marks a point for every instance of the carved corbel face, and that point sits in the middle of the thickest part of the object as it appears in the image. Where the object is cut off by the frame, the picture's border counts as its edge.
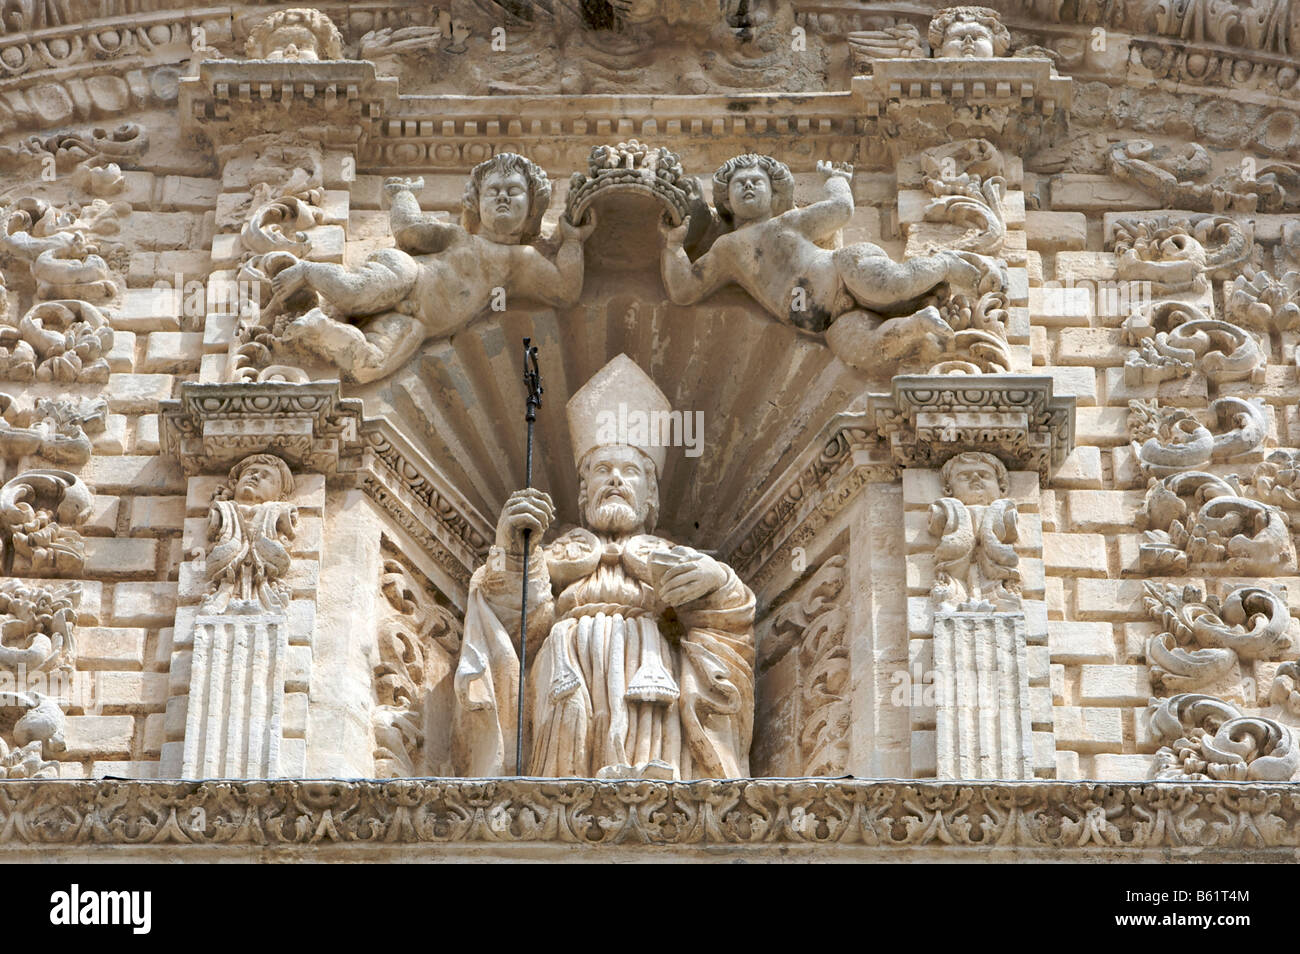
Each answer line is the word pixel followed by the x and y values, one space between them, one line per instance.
pixel 750 195
pixel 503 205
pixel 257 484
pixel 974 483
pixel 967 38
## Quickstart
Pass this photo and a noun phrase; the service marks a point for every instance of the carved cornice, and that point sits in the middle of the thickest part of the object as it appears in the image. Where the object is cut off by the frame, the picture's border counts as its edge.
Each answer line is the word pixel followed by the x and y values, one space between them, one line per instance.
pixel 344 100
pixel 211 426
pixel 819 484
pixel 1016 417
pixel 311 425
pixel 1067 820
pixel 428 507
pixel 921 102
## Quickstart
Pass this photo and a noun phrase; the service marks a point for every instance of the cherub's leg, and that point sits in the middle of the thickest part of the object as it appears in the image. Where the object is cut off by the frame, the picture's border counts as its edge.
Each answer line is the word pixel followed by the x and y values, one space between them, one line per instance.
pixel 383 282
pixel 363 355
pixel 862 340
pixel 413 229
pixel 876 281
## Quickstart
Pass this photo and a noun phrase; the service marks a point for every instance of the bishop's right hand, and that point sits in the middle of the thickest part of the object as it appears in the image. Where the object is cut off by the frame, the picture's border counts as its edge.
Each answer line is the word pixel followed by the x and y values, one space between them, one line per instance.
pixel 527 509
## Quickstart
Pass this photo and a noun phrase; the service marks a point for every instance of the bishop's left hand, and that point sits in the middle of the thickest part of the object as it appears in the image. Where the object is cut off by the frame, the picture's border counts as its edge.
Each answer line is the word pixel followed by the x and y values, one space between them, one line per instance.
pixel 697 575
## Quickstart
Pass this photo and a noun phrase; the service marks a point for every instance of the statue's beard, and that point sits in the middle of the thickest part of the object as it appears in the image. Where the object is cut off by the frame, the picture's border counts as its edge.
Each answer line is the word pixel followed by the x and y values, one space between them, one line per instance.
pixel 615 517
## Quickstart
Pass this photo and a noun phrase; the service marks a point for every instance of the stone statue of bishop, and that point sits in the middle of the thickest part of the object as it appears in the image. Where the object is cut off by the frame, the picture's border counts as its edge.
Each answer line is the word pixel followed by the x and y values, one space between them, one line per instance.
pixel 645 658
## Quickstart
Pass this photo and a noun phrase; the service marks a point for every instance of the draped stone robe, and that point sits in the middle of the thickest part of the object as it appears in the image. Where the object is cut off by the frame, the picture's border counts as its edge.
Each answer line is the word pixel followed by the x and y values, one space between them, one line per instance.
pixel 617 680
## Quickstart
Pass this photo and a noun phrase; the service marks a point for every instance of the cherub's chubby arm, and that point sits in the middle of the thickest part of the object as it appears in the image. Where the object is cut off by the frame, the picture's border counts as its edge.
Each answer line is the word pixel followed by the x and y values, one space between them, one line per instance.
pixel 557 283
pixel 414 230
pixel 823 219
pixel 685 281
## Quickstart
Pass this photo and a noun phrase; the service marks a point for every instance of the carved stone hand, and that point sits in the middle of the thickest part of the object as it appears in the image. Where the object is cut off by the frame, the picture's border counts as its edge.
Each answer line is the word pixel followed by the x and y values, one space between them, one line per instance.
pixel 527 509
pixel 831 170
pixel 396 184
pixel 692 577
pixel 569 232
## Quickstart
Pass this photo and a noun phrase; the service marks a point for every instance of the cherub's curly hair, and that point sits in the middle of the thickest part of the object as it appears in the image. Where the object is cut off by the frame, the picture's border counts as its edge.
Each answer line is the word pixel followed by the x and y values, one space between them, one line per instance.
pixel 777 172
pixel 982 15
pixel 328 39
pixel 1004 480
pixel 505 163
pixel 227 491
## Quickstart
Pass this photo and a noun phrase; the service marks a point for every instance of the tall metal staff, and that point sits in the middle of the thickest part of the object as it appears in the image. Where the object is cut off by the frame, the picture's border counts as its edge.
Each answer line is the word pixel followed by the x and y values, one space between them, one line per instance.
pixel 532 381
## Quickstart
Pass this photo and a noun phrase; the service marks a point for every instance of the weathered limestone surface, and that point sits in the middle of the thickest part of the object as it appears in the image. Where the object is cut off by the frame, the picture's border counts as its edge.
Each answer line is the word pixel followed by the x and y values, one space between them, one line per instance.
pixel 920 403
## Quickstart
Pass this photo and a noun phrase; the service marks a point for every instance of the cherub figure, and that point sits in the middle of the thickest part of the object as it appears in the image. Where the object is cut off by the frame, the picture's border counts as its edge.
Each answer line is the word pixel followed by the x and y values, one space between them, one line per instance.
pixel 250 526
pixel 969 32
pixel 441 275
pixel 976 568
pixel 770 249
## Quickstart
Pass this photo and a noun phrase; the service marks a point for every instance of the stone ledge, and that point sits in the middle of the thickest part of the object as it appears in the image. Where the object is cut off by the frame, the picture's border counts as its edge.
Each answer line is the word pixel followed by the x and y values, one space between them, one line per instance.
pixel 886 819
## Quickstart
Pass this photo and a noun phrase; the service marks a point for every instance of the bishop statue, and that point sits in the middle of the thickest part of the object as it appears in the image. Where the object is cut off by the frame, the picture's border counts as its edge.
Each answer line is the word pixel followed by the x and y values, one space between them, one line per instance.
pixel 644 658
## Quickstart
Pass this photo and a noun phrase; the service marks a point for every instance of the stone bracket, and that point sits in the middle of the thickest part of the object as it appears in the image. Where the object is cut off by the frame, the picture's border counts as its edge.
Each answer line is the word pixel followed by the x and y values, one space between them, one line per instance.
pixel 310 425
pixel 919 101
pixel 929 418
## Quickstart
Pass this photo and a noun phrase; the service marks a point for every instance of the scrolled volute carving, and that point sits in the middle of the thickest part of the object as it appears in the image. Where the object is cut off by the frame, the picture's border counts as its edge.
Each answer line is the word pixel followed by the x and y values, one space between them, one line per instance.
pixel 1207 738
pixel 1168 440
pixel 1175 339
pixel 58 430
pixel 1178 254
pixel 41 512
pixel 1205 637
pixel 1171 175
pixel 1220 528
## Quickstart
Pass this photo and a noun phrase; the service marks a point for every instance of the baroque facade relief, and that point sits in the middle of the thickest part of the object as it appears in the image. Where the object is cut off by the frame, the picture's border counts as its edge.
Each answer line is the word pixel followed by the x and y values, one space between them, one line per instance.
pixel 920 403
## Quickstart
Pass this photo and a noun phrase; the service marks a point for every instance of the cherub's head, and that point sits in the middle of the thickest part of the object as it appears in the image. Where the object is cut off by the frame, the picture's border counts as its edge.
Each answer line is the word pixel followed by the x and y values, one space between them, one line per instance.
pixel 968 32
pixel 505 199
pixel 618 490
pixel 751 188
pixel 299 34
pixel 258 479
pixel 975 479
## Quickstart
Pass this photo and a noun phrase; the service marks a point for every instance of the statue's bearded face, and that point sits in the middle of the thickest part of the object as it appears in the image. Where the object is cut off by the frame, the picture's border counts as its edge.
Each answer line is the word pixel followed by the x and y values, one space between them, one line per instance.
pixel 257 484
pixel 967 38
pixel 750 194
pixel 618 490
pixel 974 482
pixel 503 203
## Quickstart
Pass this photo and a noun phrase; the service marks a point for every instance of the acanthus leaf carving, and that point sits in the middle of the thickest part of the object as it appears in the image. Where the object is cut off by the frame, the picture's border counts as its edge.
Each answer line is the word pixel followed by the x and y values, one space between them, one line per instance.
pixel 816 627
pixel 1168 440
pixel 41 512
pixel 1175 339
pixel 976 567
pixel 1206 738
pixel 417 648
pixel 1205 639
